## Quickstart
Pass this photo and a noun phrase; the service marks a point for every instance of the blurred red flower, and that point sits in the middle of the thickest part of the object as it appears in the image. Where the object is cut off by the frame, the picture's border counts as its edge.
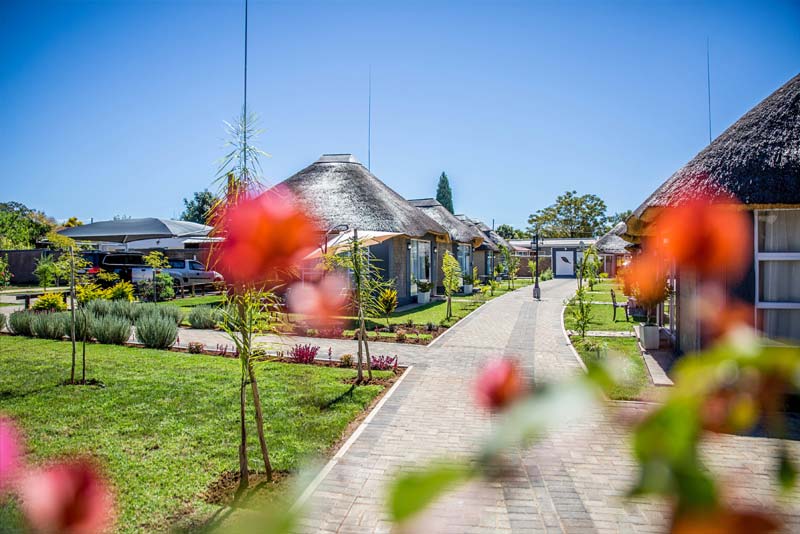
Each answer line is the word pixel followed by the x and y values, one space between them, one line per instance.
pixel 710 237
pixel 724 521
pixel 499 384
pixel 646 277
pixel 265 236
pixel 720 313
pixel 70 498
pixel 322 303
pixel 10 453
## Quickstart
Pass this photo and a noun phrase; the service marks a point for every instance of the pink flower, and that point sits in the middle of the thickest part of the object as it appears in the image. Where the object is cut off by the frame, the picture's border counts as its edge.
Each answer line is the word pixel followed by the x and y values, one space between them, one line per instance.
pixel 499 384
pixel 69 497
pixel 321 303
pixel 10 453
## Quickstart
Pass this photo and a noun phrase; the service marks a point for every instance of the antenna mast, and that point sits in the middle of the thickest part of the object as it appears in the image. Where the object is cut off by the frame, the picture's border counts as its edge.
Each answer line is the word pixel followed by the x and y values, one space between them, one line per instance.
pixel 369 121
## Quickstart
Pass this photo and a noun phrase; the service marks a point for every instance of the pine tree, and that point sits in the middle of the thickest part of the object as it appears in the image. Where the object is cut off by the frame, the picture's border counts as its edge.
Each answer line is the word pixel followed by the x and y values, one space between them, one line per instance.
pixel 444 194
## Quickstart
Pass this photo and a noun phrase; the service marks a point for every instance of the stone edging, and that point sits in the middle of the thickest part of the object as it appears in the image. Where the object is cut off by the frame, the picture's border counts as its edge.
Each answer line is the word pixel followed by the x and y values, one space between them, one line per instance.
pixel 306 494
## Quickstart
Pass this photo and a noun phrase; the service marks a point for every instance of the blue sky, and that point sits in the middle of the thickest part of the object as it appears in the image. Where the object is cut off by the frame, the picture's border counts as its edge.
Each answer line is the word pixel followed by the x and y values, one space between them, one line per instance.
pixel 115 107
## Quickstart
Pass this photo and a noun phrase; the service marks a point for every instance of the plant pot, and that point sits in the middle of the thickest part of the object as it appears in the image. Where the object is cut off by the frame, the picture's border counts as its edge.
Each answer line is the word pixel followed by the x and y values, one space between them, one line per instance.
pixel 468 289
pixel 424 298
pixel 649 335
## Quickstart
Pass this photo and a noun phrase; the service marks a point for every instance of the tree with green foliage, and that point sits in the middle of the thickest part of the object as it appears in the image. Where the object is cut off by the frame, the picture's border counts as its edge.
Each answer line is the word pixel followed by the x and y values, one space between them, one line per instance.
pixel 511 262
pixel 387 301
pixel 451 280
pixel 506 231
pixel 589 267
pixel 444 195
pixel 199 207
pixel 72 222
pixel 21 227
pixel 45 270
pixel 5 271
pixel 617 218
pixel 572 215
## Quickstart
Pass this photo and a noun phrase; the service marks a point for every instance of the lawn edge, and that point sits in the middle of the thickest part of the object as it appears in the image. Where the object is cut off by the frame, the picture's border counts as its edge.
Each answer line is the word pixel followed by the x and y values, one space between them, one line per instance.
pixel 328 467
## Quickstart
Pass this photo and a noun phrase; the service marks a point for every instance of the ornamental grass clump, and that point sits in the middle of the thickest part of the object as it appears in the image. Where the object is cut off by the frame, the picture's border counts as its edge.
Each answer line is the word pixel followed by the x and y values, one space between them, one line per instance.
pixel 49 325
pixel 83 326
pixel 111 330
pixel 156 331
pixel 204 317
pixel 125 309
pixel 303 353
pixel 20 323
pixel 100 307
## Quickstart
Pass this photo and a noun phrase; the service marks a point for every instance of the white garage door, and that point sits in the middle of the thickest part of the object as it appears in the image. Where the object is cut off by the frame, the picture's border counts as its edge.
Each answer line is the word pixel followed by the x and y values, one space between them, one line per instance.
pixel 564 263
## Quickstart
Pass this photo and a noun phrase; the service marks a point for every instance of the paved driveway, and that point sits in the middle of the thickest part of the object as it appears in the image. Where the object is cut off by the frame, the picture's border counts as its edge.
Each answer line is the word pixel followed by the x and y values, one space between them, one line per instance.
pixel 570 482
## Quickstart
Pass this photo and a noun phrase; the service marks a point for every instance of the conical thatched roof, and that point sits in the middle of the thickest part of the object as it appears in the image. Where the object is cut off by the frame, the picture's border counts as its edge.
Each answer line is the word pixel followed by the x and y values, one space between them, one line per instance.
pixel 612 243
pixel 757 160
pixel 459 231
pixel 339 190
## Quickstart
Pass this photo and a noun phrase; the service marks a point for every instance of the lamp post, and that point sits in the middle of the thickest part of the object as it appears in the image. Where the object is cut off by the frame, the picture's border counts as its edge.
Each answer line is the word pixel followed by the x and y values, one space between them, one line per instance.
pixel 537 292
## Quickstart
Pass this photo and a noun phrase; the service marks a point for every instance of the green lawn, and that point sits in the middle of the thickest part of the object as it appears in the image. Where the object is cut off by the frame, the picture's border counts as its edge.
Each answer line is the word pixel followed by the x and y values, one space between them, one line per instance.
pixel 636 378
pixel 166 424
pixel 602 319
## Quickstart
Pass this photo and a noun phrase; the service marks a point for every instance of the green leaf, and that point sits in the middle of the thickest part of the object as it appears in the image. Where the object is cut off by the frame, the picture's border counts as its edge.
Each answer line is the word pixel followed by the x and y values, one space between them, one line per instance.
pixel 787 472
pixel 413 492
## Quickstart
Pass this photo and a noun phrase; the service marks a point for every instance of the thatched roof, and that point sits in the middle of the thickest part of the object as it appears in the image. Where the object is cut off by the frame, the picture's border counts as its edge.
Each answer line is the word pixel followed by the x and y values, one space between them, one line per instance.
pixel 459 231
pixel 612 242
pixel 338 189
pixel 491 237
pixel 757 160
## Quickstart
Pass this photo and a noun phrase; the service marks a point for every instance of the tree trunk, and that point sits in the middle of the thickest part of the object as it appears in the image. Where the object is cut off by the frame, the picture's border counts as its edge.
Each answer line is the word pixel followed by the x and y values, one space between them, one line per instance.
pixel 244 475
pixel 366 347
pixel 260 422
pixel 360 376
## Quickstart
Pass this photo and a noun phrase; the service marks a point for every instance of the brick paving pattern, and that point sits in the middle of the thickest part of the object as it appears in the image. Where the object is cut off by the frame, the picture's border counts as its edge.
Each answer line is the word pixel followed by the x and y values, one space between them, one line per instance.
pixel 571 481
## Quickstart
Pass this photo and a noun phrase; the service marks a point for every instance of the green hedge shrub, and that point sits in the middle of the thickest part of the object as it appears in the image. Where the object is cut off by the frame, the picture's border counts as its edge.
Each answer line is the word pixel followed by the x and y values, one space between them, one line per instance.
pixel 83 326
pixel 204 317
pixel 52 302
pixel 164 283
pixel 547 274
pixel 2 320
pixel 20 323
pixel 99 307
pixel 156 331
pixel 48 325
pixel 111 330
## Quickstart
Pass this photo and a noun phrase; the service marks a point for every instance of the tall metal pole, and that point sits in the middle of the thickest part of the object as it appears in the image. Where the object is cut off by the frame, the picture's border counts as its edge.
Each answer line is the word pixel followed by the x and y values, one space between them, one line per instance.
pixel 244 105
pixel 72 306
pixel 369 121
pixel 537 292
pixel 708 84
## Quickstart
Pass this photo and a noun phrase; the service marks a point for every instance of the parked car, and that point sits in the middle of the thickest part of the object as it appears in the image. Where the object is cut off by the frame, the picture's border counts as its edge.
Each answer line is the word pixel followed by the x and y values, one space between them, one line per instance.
pixel 188 273
pixel 129 266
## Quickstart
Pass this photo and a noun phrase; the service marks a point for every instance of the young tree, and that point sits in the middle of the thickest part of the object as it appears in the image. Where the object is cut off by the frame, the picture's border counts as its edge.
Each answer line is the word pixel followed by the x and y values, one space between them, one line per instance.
pixel 572 215
pixel 45 270
pixel 387 301
pixel 451 280
pixel 444 195
pixel 5 271
pixel 589 267
pixel 199 208
pixel 161 281
pixel 512 265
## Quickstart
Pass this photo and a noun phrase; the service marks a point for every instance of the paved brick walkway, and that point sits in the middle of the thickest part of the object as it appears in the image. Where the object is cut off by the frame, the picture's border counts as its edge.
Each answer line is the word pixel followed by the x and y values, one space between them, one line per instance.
pixel 572 481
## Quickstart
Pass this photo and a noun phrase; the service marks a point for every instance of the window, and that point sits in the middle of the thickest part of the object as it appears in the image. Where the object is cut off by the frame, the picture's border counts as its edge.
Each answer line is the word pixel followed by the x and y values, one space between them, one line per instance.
pixel 777 266
pixel 196 266
pixel 464 258
pixel 420 262
pixel 176 264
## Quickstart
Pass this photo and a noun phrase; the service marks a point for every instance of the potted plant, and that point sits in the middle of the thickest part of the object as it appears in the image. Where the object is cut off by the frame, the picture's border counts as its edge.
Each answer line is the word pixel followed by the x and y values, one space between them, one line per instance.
pixel 423 291
pixel 468 282
pixel 649 332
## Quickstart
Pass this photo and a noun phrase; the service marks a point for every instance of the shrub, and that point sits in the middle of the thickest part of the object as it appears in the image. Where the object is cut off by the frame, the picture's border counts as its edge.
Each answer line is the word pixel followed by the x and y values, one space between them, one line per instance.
pixel 83 326
pixel 431 327
pixel 547 274
pixel 312 332
pixel 48 325
pixel 111 330
pixel 99 307
pixel 603 275
pixel 107 279
pixel 400 336
pixel 204 317
pixel 409 323
pixel 169 311
pixel 20 323
pixel 303 353
pixel 156 331
pixel 51 302
pixel 120 291
pixel 387 303
pixel 164 284
pixel 195 347
pixel 332 332
pixel 125 309
pixel 384 363
pixel 86 293
pixel 2 320
pixel 346 360
pixel 424 286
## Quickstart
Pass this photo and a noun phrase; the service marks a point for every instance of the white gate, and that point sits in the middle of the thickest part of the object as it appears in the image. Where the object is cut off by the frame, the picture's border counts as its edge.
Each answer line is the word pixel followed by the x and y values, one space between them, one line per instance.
pixel 565 265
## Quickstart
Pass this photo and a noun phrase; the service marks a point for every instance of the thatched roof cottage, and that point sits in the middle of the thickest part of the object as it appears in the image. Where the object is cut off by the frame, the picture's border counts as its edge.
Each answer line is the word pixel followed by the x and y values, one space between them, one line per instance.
pixel 757 160
pixel 339 190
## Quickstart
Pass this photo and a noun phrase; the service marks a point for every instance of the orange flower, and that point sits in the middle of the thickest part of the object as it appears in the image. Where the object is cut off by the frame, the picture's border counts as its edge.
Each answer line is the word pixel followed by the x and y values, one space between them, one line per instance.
pixel 711 238
pixel 647 277
pixel 69 497
pixel 499 384
pixel 322 303
pixel 265 236
pixel 724 521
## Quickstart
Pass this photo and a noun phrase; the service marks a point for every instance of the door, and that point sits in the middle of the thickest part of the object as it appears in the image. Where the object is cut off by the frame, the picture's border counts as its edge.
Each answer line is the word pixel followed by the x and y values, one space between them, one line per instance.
pixel 565 263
